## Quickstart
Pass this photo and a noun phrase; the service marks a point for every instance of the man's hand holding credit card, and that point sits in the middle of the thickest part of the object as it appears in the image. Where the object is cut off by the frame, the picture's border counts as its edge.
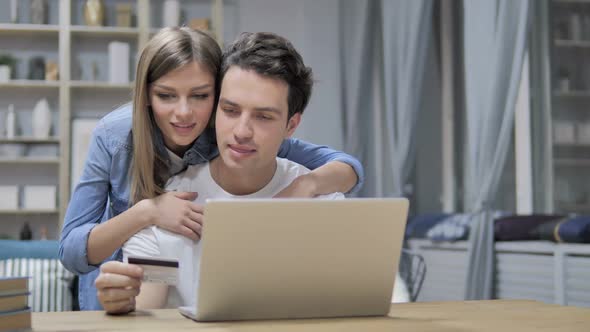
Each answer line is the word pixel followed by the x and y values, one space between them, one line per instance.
pixel 156 269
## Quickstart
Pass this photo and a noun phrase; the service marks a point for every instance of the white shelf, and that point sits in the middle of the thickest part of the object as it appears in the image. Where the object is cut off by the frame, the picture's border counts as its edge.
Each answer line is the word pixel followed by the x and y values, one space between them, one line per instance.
pixel 28 211
pixel 30 84
pixel 535 270
pixel 29 160
pixel 31 140
pixel 82 30
pixel 29 29
pixel 99 85
pixel 572 43
pixel 535 247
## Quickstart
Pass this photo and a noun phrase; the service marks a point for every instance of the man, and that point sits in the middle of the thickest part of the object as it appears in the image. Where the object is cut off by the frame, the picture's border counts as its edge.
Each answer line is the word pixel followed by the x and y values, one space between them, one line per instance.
pixel 265 89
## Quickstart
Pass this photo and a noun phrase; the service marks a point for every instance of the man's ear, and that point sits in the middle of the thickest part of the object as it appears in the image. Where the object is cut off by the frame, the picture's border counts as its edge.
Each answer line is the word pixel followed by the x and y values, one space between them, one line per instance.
pixel 293 123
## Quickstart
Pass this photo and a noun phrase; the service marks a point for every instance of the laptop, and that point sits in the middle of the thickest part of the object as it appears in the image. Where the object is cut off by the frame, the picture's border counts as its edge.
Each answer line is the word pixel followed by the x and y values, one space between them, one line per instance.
pixel 298 258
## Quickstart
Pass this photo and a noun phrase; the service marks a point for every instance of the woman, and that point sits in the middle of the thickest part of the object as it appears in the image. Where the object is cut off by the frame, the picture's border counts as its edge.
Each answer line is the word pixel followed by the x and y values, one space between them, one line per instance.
pixel 121 188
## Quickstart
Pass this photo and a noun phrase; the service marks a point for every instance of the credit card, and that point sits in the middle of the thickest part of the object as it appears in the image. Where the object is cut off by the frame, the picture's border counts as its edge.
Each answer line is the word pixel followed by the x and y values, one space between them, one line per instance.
pixel 157 269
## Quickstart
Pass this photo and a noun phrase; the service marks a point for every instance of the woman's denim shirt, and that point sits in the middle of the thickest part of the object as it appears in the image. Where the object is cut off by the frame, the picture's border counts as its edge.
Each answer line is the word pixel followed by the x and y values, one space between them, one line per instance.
pixel 103 189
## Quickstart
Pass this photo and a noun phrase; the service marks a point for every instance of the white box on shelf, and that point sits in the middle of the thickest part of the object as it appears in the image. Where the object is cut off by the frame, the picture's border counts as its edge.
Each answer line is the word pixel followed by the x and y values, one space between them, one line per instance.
pixel 564 132
pixel 118 62
pixel 583 133
pixel 39 197
pixel 12 151
pixel 8 197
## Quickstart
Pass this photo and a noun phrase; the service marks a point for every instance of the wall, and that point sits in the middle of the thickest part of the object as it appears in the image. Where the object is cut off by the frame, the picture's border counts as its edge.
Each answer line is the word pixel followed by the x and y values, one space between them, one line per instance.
pixel 312 27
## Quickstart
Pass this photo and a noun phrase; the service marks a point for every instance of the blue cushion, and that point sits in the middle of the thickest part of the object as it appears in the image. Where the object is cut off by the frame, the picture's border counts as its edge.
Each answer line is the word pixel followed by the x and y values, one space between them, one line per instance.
pixel 44 249
pixel 575 230
pixel 419 225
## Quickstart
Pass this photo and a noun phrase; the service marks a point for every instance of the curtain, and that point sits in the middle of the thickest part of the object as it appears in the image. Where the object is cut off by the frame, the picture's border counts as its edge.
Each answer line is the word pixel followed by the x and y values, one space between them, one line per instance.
pixel 541 107
pixel 495 41
pixel 384 52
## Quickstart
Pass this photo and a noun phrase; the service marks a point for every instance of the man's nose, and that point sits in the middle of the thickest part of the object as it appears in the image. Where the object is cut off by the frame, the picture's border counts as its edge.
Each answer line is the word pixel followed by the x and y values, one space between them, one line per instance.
pixel 243 129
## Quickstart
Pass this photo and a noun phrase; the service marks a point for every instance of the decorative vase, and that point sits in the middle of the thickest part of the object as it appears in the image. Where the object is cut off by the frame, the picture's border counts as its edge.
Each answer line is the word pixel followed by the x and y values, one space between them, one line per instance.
pixel 171 13
pixel 4 73
pixel 10 122
pixel 37 68
pixel 26 233
pixel 94 13
pixel 41 119
pixel 39 11
pixel 51 71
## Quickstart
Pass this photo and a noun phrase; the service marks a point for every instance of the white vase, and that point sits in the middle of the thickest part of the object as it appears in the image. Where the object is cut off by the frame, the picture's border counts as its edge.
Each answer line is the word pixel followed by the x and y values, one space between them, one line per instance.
pixel 10 122
pixel 41 119
pixel 13 11
pixel 4 73
pixel 171 13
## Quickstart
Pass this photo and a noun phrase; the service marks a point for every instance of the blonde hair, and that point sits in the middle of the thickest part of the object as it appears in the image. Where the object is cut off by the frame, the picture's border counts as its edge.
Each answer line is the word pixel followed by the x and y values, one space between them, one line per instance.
pixel 169 49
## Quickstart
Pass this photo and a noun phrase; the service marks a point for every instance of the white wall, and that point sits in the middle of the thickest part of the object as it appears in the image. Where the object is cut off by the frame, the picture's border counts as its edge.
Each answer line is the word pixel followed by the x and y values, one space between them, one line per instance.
pixel 312 27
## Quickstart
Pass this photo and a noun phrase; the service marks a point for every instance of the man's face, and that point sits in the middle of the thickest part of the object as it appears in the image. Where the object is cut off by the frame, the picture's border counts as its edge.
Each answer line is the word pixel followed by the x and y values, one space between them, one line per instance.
pixel 251 119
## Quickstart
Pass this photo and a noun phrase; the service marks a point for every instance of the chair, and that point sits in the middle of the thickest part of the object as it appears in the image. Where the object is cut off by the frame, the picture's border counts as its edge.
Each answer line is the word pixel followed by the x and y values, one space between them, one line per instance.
pixel 412 269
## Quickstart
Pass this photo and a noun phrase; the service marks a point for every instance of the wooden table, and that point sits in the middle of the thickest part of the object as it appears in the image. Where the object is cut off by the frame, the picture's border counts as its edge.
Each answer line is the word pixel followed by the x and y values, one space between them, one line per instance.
pixel 498 315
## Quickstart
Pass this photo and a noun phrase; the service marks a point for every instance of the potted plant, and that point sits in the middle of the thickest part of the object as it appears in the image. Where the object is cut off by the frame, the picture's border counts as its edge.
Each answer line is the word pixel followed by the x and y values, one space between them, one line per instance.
pixel 7 63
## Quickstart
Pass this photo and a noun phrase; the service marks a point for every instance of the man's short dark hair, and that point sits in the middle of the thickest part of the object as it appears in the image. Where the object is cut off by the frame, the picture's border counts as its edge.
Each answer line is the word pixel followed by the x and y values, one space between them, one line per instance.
pixel 272 56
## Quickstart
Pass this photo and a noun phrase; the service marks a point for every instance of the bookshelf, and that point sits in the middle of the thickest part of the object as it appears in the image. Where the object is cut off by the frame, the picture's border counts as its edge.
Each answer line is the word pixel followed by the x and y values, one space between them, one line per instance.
pixel 79 92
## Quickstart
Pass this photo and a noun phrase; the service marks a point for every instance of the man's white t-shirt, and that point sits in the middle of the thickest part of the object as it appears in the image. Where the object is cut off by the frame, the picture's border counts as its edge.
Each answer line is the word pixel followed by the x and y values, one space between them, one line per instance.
pixel 156 242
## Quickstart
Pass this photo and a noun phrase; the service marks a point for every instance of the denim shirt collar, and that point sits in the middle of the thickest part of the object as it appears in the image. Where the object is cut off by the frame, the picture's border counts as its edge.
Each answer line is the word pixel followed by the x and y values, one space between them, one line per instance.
pixel 203 149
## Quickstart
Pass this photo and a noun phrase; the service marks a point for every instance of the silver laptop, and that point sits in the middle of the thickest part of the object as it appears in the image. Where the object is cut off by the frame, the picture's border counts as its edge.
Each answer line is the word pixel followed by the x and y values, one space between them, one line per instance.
pixel 298 258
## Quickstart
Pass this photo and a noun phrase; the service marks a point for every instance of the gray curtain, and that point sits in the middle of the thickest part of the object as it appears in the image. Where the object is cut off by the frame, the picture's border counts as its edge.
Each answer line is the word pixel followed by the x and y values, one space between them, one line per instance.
pixel 406 37
pixel 384 50
pixel 495 41
pixel 540 68
pixel 356 40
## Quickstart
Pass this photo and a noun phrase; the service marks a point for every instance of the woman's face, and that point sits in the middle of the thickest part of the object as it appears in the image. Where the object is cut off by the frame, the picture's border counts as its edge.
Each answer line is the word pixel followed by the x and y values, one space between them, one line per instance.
pixel 182 102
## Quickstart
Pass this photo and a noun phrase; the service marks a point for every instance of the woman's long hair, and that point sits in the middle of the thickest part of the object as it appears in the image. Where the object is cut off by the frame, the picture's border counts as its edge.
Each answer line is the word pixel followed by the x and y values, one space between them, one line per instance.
pixel 169 49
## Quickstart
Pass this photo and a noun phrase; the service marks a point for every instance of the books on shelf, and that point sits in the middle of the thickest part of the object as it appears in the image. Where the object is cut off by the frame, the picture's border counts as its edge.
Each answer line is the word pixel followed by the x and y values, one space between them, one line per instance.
pixel 14 310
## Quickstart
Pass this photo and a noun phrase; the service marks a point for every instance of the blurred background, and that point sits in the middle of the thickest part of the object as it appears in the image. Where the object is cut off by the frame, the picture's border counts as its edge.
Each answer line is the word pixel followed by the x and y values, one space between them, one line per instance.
pixel 475 110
